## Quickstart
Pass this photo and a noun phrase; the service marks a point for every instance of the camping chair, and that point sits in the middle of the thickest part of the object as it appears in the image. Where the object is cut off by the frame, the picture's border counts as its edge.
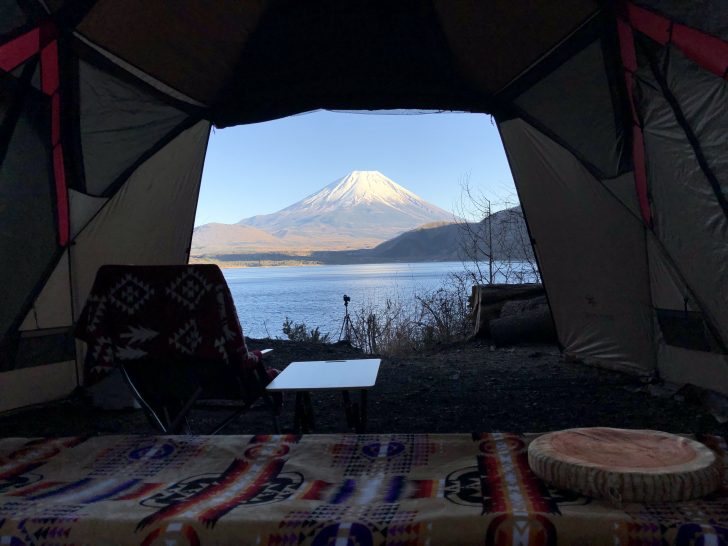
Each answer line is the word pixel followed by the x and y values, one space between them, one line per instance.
pixel 174 333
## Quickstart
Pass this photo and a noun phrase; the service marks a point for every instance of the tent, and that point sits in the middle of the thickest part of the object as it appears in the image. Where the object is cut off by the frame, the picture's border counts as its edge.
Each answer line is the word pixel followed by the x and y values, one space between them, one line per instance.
pixel 614 117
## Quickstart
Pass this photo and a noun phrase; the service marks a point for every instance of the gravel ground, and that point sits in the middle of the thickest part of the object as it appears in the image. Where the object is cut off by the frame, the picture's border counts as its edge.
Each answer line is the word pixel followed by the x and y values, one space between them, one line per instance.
pixel 465 387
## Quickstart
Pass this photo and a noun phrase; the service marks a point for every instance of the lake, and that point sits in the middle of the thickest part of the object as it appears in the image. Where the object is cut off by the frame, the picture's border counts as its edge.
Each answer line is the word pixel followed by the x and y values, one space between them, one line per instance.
pixel 265 296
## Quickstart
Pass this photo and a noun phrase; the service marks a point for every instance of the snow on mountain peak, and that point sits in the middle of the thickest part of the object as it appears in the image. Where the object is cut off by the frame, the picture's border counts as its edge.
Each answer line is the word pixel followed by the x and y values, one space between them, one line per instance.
pixel 362 187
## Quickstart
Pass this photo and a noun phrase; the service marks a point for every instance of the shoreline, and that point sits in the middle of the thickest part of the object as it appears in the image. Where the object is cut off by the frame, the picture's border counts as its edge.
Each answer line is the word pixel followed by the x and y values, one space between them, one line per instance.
pixel 253 264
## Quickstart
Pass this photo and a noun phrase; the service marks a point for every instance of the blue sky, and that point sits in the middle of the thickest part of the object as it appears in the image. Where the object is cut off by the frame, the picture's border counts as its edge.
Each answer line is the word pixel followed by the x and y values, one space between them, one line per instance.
pixel 264 167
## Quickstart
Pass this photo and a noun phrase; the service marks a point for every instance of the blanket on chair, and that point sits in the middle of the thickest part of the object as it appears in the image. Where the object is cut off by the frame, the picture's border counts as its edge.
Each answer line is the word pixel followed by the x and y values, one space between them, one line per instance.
pixel 160 312
pixel 318 489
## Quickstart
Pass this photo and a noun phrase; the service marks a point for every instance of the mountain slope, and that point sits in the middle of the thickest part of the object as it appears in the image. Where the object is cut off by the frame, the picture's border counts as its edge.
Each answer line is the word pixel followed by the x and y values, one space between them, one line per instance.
pixel 362 206
pixel 216 237
pixel 429 243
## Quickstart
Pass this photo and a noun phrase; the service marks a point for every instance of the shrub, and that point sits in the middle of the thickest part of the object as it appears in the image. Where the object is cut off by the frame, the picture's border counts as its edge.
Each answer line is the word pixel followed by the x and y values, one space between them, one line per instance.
pixel 300 332
pixel 403 325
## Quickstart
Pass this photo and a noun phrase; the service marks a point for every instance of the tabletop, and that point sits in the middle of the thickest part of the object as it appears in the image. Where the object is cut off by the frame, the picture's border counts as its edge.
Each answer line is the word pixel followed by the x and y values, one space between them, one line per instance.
pixel 327 374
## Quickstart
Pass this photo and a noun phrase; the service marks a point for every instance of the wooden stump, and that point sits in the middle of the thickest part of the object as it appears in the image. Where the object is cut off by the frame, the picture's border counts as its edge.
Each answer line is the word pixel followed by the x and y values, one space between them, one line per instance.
pixel 626 465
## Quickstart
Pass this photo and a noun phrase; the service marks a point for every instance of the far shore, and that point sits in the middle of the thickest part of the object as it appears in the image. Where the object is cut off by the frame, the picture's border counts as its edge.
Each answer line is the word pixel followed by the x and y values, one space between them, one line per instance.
pixel 253 263
pixel 248 264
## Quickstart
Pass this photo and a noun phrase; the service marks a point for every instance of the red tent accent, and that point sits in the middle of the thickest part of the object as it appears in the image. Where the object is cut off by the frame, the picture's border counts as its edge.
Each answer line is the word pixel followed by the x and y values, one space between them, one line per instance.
pixel 12 54
pixel 708 51
pixel 17 51
pixel 629 60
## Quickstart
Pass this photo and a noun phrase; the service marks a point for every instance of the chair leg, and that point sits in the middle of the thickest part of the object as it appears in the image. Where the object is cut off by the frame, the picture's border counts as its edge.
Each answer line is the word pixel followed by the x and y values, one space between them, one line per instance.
pixel 184 410
pixel 151 414
pixel 229 420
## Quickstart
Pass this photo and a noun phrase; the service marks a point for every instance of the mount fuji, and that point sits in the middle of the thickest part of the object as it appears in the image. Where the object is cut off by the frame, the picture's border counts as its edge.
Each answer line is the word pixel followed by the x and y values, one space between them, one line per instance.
pixel 363 206
pixel 360 210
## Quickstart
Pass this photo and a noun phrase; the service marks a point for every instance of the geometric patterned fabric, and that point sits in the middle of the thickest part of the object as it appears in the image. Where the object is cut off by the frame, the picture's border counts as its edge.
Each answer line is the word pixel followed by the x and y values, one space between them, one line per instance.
pixel 160 313
pixel 405 489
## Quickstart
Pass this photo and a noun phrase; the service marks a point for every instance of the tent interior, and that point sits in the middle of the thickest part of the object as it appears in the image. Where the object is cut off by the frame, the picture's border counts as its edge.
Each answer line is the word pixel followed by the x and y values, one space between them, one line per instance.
pixel 613 116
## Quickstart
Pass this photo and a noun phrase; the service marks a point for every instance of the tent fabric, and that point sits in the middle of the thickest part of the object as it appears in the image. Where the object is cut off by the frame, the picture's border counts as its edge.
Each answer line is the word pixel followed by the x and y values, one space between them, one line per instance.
pixel 160 198
pixel 37 384
pixel 268 59
pixel 613 116
pixel 689 219
pixel 11 17
pixel 52 308
pixel 27 202
pixel 711 17
pixel 599 300
pixel 575 103
pixel 112 138
pixel 147 35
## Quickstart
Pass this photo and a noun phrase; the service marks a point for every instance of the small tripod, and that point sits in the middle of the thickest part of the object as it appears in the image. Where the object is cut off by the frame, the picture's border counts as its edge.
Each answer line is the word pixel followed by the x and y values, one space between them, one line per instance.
pixel 347 328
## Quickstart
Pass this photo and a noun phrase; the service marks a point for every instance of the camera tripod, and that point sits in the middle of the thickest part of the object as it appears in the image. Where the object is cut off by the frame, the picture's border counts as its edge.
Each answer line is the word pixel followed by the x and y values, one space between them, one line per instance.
pixel 347 328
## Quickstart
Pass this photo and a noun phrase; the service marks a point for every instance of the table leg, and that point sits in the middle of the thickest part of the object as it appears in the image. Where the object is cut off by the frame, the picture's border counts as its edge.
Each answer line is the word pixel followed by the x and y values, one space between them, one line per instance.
pixel 356 413
pixel 363 413
pixel 348 410
pixel 308 407
pixel 298 414
pixel 303 415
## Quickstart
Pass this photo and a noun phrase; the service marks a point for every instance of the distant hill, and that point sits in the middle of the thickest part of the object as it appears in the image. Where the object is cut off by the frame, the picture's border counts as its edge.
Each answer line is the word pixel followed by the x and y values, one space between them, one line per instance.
pixel 360 210
pixel 446 242
pixel 429 243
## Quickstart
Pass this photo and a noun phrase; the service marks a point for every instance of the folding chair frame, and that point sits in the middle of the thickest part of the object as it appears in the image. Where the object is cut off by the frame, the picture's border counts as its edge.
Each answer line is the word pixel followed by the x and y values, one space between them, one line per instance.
pixel 173 425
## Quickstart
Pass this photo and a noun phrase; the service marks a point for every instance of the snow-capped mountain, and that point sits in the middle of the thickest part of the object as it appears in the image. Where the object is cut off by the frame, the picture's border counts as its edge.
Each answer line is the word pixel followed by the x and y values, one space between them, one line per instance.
pixel 360 209
pixel 365 188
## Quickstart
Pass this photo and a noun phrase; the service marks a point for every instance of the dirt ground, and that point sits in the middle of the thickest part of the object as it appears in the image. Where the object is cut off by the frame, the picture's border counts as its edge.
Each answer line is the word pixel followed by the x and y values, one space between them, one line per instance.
pixel 466 387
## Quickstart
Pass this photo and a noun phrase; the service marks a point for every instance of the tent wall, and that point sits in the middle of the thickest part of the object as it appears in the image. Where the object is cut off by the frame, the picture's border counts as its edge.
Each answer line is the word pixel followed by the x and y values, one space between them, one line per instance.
pixel 36 385
pixel 684 113
pixel 28 228
pixel 52 308
pixel 690 211
pixel 591 251
pixel 149 220
pixel 114 139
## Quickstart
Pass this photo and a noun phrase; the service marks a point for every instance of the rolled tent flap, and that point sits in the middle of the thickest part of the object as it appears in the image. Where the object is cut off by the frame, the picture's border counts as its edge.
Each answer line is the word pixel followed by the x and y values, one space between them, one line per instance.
pixel 591 251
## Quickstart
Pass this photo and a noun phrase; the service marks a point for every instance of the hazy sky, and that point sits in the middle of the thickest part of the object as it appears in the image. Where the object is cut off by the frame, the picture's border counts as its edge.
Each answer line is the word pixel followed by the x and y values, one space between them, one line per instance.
pixel 262 168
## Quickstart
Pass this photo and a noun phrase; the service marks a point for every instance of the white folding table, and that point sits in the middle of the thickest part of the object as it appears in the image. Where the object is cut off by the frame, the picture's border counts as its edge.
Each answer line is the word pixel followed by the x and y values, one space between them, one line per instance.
pixel 343 375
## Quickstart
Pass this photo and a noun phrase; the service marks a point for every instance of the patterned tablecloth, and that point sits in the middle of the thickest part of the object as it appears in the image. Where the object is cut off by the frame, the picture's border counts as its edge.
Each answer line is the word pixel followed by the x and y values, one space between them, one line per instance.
pixel 318 489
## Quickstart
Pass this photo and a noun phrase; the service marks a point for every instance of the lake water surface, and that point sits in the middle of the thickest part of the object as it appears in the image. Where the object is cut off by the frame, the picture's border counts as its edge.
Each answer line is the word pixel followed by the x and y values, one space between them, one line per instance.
pixel 265 296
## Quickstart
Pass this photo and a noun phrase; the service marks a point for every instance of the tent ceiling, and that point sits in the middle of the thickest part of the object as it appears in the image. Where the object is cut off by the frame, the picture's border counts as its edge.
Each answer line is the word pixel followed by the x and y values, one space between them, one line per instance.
pixel 257 60
pixel 192 46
